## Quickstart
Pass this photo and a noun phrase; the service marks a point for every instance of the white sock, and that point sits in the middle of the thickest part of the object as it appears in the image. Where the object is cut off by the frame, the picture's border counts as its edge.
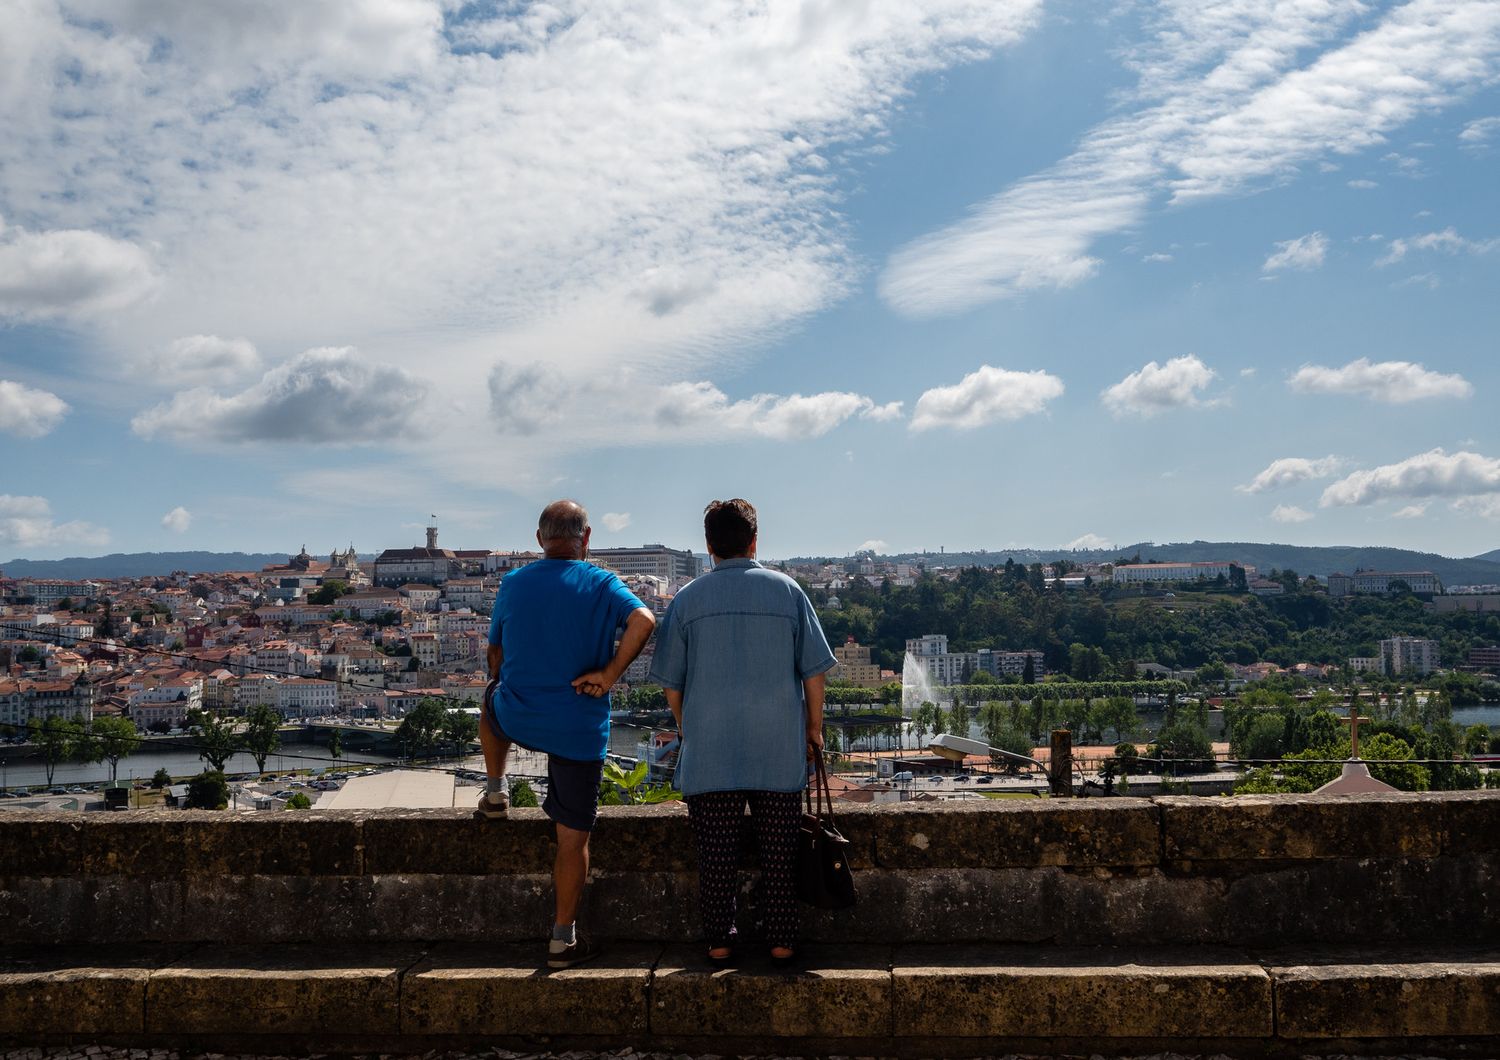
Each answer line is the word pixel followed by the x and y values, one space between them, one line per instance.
pixel 496 785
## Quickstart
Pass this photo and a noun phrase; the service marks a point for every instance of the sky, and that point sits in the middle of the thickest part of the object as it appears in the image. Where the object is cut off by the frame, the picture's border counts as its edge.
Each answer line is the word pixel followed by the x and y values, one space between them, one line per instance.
pixel 959 274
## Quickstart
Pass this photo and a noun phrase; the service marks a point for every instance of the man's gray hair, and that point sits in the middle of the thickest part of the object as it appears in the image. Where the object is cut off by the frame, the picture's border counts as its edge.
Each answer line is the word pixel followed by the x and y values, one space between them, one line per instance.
pixel 562 520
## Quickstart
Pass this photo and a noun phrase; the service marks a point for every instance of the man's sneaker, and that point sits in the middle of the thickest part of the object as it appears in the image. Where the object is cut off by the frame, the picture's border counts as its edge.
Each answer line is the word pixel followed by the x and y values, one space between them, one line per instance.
pixel 561 955
pixel 492 804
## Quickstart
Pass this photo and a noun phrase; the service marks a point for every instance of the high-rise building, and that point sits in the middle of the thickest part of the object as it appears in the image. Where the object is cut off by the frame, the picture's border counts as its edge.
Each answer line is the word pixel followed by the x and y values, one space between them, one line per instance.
pixel 854 665
pixel 1409 655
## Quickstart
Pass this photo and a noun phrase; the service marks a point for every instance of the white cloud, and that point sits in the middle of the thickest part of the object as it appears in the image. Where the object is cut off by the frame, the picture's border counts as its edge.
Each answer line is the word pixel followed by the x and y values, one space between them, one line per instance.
pixel 1448 241
pixel 883 413
pixel 568 181
pixel 1290 470
pixel 614 522
pixel 1090 542
pixel 1420 279
pixel 987 395
pixel 26 522
pixel 1227 101
pixel 1393 382
pixel 199 359
pixel 327 394
pixel 1411 511
pixel 1479 132
pixel 1362 184
pixel 1290 513
pixel 527 399
pixel 63 273
pixel 1462 475
pixel 1247 373
pixel 1156 259
pixel 1304 252
pixel 27 412
pixel 873 545
pixel 177 520
pixel 1158 387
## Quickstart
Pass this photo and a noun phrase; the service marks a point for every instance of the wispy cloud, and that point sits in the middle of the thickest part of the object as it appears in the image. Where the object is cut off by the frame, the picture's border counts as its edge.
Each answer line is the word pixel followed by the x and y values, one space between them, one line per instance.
pixel 1448 241
pixel 1304 252
pixel 1089 542
pixel 28 412
pixel 1478 134
pixel 1290 513
pixel 1393 382
pixel 27 522
pixel 1290 470
pixel 1223 105
pixel 1159 387
pixel 614 522
pixel 987 395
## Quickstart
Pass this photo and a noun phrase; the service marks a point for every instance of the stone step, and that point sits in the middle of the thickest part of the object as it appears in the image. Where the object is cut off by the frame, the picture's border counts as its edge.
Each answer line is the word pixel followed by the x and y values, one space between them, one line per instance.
pixel 880 1000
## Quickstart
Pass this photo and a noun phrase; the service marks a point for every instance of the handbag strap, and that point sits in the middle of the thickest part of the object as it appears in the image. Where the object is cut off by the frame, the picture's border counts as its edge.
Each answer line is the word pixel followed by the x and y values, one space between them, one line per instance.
pixel 824 796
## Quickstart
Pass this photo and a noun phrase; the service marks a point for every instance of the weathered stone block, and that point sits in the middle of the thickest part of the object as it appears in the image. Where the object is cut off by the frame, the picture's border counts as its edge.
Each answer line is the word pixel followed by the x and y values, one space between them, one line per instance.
pixel 77 989
pixel 837 992
pixel 38 843
pixel 1299 827
pixel 1010 834
pixel 453 842
pixel 1364 993
pixel 294 989
pixel 502 908
pixel 156 843
pixel 1471 821
pixel 1018 992
pixel 468 989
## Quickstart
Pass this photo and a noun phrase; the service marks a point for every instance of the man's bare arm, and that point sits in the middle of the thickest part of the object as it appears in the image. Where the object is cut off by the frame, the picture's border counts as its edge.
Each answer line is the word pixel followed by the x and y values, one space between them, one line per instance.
pixel 812 694
pixel 638 629
pixel 674 704
pixel 494 656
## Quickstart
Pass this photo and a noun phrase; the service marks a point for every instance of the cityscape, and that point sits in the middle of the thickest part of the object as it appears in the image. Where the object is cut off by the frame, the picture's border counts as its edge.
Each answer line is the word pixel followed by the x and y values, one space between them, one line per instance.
pixel 378 661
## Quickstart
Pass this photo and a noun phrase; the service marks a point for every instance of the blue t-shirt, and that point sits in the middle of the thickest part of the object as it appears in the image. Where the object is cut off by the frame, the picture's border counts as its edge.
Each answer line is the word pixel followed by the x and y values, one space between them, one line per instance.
pixel 556 619
pixel 738 643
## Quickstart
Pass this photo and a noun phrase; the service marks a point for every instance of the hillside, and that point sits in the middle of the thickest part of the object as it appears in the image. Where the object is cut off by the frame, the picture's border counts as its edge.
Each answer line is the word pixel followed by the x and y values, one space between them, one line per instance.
pixel 140 564
pixel 1319 560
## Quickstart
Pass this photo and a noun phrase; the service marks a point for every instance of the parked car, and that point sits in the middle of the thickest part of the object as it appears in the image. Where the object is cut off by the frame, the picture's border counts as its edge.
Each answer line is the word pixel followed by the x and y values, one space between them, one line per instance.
pixel 76 790
pixel 962 778
pixel 936 778
pixel 985 780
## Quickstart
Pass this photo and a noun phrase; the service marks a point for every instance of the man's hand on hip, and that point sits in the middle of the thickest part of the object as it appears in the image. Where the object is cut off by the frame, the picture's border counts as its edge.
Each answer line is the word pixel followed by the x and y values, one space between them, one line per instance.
pixel 594 683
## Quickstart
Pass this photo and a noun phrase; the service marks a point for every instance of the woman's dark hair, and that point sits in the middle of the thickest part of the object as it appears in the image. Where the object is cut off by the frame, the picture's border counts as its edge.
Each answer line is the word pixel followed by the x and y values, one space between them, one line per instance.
pixel 730 527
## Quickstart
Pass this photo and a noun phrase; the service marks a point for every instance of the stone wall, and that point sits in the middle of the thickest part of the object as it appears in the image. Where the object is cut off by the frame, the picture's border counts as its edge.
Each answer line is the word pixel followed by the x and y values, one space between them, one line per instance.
pixel 1128 871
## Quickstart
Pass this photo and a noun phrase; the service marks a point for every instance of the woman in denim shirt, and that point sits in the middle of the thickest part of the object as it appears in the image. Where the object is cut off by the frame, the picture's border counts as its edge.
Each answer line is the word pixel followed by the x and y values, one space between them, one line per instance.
pixel 742 659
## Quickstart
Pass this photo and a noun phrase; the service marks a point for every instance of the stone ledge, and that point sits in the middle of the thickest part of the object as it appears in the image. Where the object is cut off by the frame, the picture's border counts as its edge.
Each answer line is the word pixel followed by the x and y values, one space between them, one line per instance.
pixel 1176 833
pixel 885 1000
pixel 1350 992
pixel 1022 992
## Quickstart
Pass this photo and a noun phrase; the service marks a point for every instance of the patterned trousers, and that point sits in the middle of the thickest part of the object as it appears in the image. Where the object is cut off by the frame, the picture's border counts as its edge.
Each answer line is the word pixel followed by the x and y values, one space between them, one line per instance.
pixel 717 818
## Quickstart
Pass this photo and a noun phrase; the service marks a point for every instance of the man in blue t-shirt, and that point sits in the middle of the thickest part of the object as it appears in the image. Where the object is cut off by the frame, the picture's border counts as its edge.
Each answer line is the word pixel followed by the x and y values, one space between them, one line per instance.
pixel 552 661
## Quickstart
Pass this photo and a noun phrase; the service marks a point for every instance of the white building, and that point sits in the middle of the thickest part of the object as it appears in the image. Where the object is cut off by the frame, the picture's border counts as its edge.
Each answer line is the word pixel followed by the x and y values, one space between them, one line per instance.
pixel 1379 581
pixel 674 566
pixel 1168 573
pixel 303 697
pixel 1406 655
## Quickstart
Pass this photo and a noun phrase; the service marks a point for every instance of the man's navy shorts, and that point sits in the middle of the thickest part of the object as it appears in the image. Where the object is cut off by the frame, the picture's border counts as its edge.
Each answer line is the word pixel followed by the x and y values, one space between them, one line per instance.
pixel 572 786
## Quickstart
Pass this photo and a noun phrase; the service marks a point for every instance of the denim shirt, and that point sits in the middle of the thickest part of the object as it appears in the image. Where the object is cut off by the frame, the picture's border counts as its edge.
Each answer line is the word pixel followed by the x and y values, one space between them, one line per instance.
pixel 737 643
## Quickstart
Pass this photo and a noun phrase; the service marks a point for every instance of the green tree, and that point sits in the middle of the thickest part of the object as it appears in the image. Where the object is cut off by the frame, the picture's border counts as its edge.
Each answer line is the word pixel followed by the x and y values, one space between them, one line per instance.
pixel 161 778
pixel 958 718
pixel 335 744
pixel 418 732
pixel 115 738
pixel 459 728
pixel 1477 739
pixel 208 791
pixel 521 794
pixel 56 740
pixel 215 737
pixel 328 592
pixel 262 734
pixel 298 801
pixel 1185 746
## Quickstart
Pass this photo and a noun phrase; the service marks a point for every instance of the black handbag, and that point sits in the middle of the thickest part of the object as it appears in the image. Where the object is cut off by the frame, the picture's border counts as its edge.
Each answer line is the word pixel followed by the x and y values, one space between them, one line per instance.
pixel 824 879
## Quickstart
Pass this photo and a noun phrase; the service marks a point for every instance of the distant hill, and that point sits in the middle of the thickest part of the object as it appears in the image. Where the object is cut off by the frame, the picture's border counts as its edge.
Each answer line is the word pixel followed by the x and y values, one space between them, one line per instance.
pixel 141 564
pixel 1319 560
